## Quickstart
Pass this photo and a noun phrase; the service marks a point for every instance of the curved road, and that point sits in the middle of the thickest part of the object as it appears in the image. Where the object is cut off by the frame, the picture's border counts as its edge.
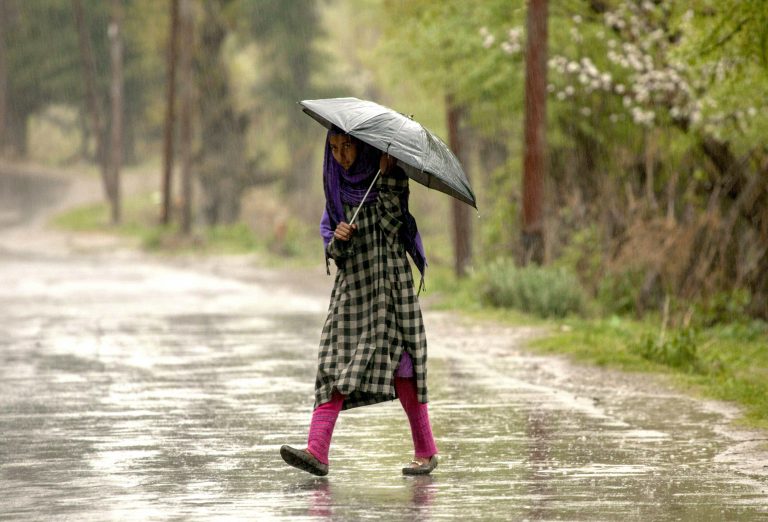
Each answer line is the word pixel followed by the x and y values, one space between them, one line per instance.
pixel 137 389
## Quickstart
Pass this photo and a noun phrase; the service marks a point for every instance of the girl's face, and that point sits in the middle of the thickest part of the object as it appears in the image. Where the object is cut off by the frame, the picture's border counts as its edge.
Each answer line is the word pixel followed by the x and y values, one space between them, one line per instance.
pixel 344 150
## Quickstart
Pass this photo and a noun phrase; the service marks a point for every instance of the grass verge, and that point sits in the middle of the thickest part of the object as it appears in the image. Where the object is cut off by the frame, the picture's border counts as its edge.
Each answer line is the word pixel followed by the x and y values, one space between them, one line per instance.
pixel 726 362
pixel 140 222
pixel 731 360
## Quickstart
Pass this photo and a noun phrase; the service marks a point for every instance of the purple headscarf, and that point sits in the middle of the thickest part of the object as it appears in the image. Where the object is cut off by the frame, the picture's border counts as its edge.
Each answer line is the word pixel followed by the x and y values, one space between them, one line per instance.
pixel 349 187
pixel 342 186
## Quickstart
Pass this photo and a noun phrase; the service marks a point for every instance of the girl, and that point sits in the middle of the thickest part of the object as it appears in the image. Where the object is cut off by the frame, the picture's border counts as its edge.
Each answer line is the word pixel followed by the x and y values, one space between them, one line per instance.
pixel 373 347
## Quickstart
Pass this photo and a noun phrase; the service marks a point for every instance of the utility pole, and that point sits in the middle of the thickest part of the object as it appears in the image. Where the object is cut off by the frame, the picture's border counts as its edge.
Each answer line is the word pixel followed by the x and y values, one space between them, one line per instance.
pixel 534 161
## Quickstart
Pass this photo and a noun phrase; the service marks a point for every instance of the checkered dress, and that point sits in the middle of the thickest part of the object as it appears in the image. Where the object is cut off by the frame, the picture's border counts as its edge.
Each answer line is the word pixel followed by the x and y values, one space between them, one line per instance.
pixel 374 312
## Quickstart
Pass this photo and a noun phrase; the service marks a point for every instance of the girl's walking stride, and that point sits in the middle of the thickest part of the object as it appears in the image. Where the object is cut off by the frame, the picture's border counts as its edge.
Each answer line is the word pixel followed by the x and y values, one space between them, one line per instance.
pixel 373 347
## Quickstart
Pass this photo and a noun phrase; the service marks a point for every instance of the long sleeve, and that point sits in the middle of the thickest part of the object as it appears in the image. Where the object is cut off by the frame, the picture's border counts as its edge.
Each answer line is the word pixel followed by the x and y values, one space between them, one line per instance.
pixel 340 250
pixel 326 231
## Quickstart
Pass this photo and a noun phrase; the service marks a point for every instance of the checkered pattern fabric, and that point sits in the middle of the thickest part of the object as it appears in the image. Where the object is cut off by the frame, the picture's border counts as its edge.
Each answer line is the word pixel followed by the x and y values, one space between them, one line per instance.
pixel 374 312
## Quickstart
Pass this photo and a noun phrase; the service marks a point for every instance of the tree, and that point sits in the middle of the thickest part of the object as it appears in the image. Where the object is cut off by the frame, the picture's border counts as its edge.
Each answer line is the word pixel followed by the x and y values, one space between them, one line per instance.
pixel 44 65
pixel 658 121
pixel 40 33
pixel 221 164
pixel 436 44
pixel 5 11
pixel 95 108
pixel 187 94
pixel 115 159
pixel 285 32
pixel 170 112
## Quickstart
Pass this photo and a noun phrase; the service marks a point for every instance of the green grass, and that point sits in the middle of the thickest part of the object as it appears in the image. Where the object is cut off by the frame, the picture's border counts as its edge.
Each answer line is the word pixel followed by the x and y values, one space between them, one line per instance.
pixel 733 359
pixel 138 213
pixel 731 368
pixel 140 221
pixel 83 219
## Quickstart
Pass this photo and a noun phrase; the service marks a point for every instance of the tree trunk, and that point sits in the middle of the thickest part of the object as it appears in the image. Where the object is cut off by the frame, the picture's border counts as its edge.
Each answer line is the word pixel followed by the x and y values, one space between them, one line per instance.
pixel 13 117
pixel 534 167
pixel 94 107
pixel 649 159
pixel 3 76
pixel 170 103
pixel 462 225
pixel 116 101
pixel 186 93
pixel 16 131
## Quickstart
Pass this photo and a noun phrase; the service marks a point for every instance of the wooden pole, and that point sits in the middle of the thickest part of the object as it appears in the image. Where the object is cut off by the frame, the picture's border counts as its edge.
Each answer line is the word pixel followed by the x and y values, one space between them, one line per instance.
pixel 534 161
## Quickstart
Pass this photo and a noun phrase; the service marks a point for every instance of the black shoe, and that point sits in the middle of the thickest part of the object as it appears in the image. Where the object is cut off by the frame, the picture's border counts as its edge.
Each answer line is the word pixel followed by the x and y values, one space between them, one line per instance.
pixel 303 460
pixel 421 469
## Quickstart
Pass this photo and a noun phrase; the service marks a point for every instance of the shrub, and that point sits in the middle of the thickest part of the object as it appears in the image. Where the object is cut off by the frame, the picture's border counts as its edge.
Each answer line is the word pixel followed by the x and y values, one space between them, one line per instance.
pixel 583 254
pixel 680 350
pixel 724 308
pixel 619 292
pixel 547 292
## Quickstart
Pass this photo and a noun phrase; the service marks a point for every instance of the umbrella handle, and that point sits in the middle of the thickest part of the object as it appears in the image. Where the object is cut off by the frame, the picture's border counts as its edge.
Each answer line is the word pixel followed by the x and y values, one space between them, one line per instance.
pixel 366 195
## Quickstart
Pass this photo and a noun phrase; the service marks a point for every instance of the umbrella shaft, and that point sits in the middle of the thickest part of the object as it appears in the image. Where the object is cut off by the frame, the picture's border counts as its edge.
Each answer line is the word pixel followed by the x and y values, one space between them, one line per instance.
pixel 366 195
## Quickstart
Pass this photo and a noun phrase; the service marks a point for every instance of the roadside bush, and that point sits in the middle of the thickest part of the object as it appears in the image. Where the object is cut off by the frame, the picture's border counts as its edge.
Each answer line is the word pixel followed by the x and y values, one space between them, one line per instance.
pixel 618 293
pixel 583 256
pixel 724 308
pixel 547 292
pixel 680 349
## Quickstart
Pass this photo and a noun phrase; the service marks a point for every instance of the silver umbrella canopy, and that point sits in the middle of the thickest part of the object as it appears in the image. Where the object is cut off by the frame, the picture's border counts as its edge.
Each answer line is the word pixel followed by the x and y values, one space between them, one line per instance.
pixel 423 156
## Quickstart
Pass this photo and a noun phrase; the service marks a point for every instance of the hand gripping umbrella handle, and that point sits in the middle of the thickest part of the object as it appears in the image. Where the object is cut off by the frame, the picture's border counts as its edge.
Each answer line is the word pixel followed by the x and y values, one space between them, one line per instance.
pixel 366 195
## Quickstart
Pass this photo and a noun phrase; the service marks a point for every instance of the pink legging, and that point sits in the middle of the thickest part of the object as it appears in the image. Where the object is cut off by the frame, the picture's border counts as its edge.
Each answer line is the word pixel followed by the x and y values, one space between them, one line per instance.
pixel 418 417
pixel 324 419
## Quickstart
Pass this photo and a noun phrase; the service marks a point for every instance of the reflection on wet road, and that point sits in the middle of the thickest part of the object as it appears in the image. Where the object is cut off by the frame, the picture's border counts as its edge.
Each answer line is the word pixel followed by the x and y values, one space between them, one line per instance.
pixel 135 390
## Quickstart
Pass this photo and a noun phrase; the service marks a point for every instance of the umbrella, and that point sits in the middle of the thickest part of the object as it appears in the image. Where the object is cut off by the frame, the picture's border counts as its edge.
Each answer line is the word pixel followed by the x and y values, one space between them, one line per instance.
pixel 423 156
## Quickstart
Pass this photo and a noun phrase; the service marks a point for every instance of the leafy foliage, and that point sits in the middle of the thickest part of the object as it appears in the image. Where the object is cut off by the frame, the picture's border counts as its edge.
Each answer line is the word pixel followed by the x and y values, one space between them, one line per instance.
pixel 618 292
pixel 546 292
pixel 679 350
pixel 285 33
pixel 657 112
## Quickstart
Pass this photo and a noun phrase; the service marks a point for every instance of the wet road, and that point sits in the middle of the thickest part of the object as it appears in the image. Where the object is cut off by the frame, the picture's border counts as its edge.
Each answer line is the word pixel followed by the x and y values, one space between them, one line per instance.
pixel 132 388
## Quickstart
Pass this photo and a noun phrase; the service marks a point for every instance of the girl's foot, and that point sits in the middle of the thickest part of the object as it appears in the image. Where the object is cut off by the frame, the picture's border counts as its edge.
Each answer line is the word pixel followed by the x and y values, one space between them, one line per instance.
pixel 421 466
pixel 303 460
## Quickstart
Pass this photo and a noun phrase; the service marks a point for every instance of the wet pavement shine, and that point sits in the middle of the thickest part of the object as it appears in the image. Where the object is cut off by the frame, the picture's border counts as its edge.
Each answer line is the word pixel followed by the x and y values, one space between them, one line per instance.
pixel 137 389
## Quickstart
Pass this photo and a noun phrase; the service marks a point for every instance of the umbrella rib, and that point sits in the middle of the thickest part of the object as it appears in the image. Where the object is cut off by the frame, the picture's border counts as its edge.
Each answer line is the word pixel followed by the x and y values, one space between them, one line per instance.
pixel 361 122
pixel 405 120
